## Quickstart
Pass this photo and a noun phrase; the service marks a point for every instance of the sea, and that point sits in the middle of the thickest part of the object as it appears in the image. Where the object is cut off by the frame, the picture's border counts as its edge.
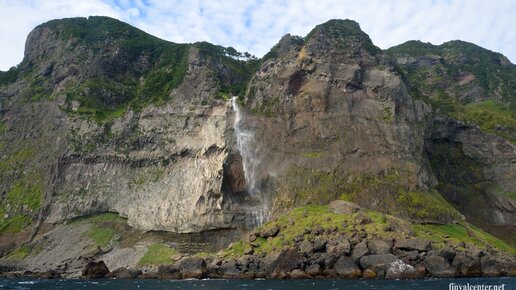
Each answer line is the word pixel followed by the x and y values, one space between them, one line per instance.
pixel 502 283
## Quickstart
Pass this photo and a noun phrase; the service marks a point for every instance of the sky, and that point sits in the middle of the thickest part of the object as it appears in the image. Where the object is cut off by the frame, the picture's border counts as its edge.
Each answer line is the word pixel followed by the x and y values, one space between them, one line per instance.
pixel 255 26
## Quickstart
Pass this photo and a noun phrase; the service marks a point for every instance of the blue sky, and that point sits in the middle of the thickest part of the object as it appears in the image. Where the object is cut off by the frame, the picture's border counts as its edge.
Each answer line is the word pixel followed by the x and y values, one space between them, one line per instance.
pixel 255 26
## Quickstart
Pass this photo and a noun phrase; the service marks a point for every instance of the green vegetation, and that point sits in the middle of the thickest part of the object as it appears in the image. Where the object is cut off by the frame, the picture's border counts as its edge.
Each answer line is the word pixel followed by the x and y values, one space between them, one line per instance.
pixel 26 192
pixel 14 224
pixel 233 81
pixel 300 222
pixel 456 69
pixel 150 69
pixel 389 191
pixel 20 253
pixel 427 206
pixel 157 254
pixel 10 76
pixel 457 233
pixel 17 159
pixel 313 154
pixel 101 236
pixel 105 227
pixel 21 204
pixel 490 116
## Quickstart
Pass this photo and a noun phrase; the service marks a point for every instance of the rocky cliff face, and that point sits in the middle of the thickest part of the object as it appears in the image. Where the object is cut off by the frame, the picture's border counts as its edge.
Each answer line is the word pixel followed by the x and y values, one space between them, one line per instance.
pixel 333 117
pixel 94 139
pixel 101 117
pixel 471 140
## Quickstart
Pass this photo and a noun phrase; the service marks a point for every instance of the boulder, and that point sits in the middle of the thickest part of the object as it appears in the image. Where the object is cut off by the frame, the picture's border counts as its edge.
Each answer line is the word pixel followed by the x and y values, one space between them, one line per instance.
pixel 193 267
pixel 270 231
pixel 466 266
pixel 120 273
pixel 378 262
pixel 490 266
pixel 378 247
pixel 94 270
pixel 362 219
pixel 169 272
pixel 413 244
pixel 339 248
pixel 438 266
pixel 314 270
pixel 448 253
pixel 299 274
pixel 420 270
pixel 320 244
pixel 306 247
pixel 407 255
pixel 51 274
pixel 359 250
pixel 330 273
pixel 346 268
pixel 229 270
pixel 400 226
pixel 369 273
pixel 400 270
pixel 279 274
pixel 343 207
pixel 286 261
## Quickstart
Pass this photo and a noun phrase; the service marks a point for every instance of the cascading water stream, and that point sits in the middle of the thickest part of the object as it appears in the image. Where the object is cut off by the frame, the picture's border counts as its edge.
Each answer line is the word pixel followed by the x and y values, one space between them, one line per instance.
pixel 247 147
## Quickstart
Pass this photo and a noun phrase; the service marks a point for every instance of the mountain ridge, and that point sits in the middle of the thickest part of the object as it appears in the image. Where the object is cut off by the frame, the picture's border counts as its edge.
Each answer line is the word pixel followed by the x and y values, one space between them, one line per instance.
pixel 101 117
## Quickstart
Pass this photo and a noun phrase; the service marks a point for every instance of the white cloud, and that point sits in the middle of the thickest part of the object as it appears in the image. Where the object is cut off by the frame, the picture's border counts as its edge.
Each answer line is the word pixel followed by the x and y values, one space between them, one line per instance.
pixel 255 26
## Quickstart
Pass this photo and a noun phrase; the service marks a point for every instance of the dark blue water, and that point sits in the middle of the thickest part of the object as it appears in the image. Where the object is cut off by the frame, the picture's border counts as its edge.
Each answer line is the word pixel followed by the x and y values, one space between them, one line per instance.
pixel 25 283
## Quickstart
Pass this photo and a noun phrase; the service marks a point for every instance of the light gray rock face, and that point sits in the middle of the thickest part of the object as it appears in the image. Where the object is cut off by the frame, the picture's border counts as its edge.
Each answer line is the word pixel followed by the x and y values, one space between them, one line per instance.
pixel 181 194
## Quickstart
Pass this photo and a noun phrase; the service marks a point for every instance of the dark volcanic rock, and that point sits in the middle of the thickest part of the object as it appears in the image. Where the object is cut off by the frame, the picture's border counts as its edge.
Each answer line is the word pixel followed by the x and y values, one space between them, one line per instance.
pixel 286 261
pixel 490 266
pixel 314 270
pixel 466 266
pixel 94 270
pixel 359 250
pixel 193 267
pixel 169 272
pixel 378 262
pixel 306 247
pixel 339 248
pixel 270 231
pixel 448 254
pixel 438 267
pixel 320 244
pixel 379 247
pixel 413 244
pixel 299 274
pixel 346 268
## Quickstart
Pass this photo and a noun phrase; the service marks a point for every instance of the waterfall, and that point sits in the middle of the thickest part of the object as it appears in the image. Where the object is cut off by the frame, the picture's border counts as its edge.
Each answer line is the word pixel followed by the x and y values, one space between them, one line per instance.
pixel 246 145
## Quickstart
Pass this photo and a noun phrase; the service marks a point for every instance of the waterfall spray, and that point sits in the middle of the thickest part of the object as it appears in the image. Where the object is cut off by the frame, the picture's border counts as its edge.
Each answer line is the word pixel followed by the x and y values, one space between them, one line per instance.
pixel 247 147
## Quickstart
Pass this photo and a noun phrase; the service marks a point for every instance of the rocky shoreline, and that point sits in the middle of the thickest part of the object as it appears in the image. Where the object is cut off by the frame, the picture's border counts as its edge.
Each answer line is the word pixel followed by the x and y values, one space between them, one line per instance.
pixel 350 251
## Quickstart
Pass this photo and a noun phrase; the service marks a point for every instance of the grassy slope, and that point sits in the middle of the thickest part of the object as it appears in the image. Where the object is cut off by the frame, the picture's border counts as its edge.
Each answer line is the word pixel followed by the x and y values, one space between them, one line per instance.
pixel 296 222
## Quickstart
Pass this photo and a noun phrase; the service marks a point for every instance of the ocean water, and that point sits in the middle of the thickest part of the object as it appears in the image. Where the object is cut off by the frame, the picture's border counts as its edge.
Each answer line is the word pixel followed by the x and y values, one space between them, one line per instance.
pixel 445 284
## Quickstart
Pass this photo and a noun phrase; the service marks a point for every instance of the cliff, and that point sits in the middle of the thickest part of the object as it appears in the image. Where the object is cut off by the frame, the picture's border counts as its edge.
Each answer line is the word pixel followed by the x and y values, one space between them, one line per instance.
pixel 103 118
